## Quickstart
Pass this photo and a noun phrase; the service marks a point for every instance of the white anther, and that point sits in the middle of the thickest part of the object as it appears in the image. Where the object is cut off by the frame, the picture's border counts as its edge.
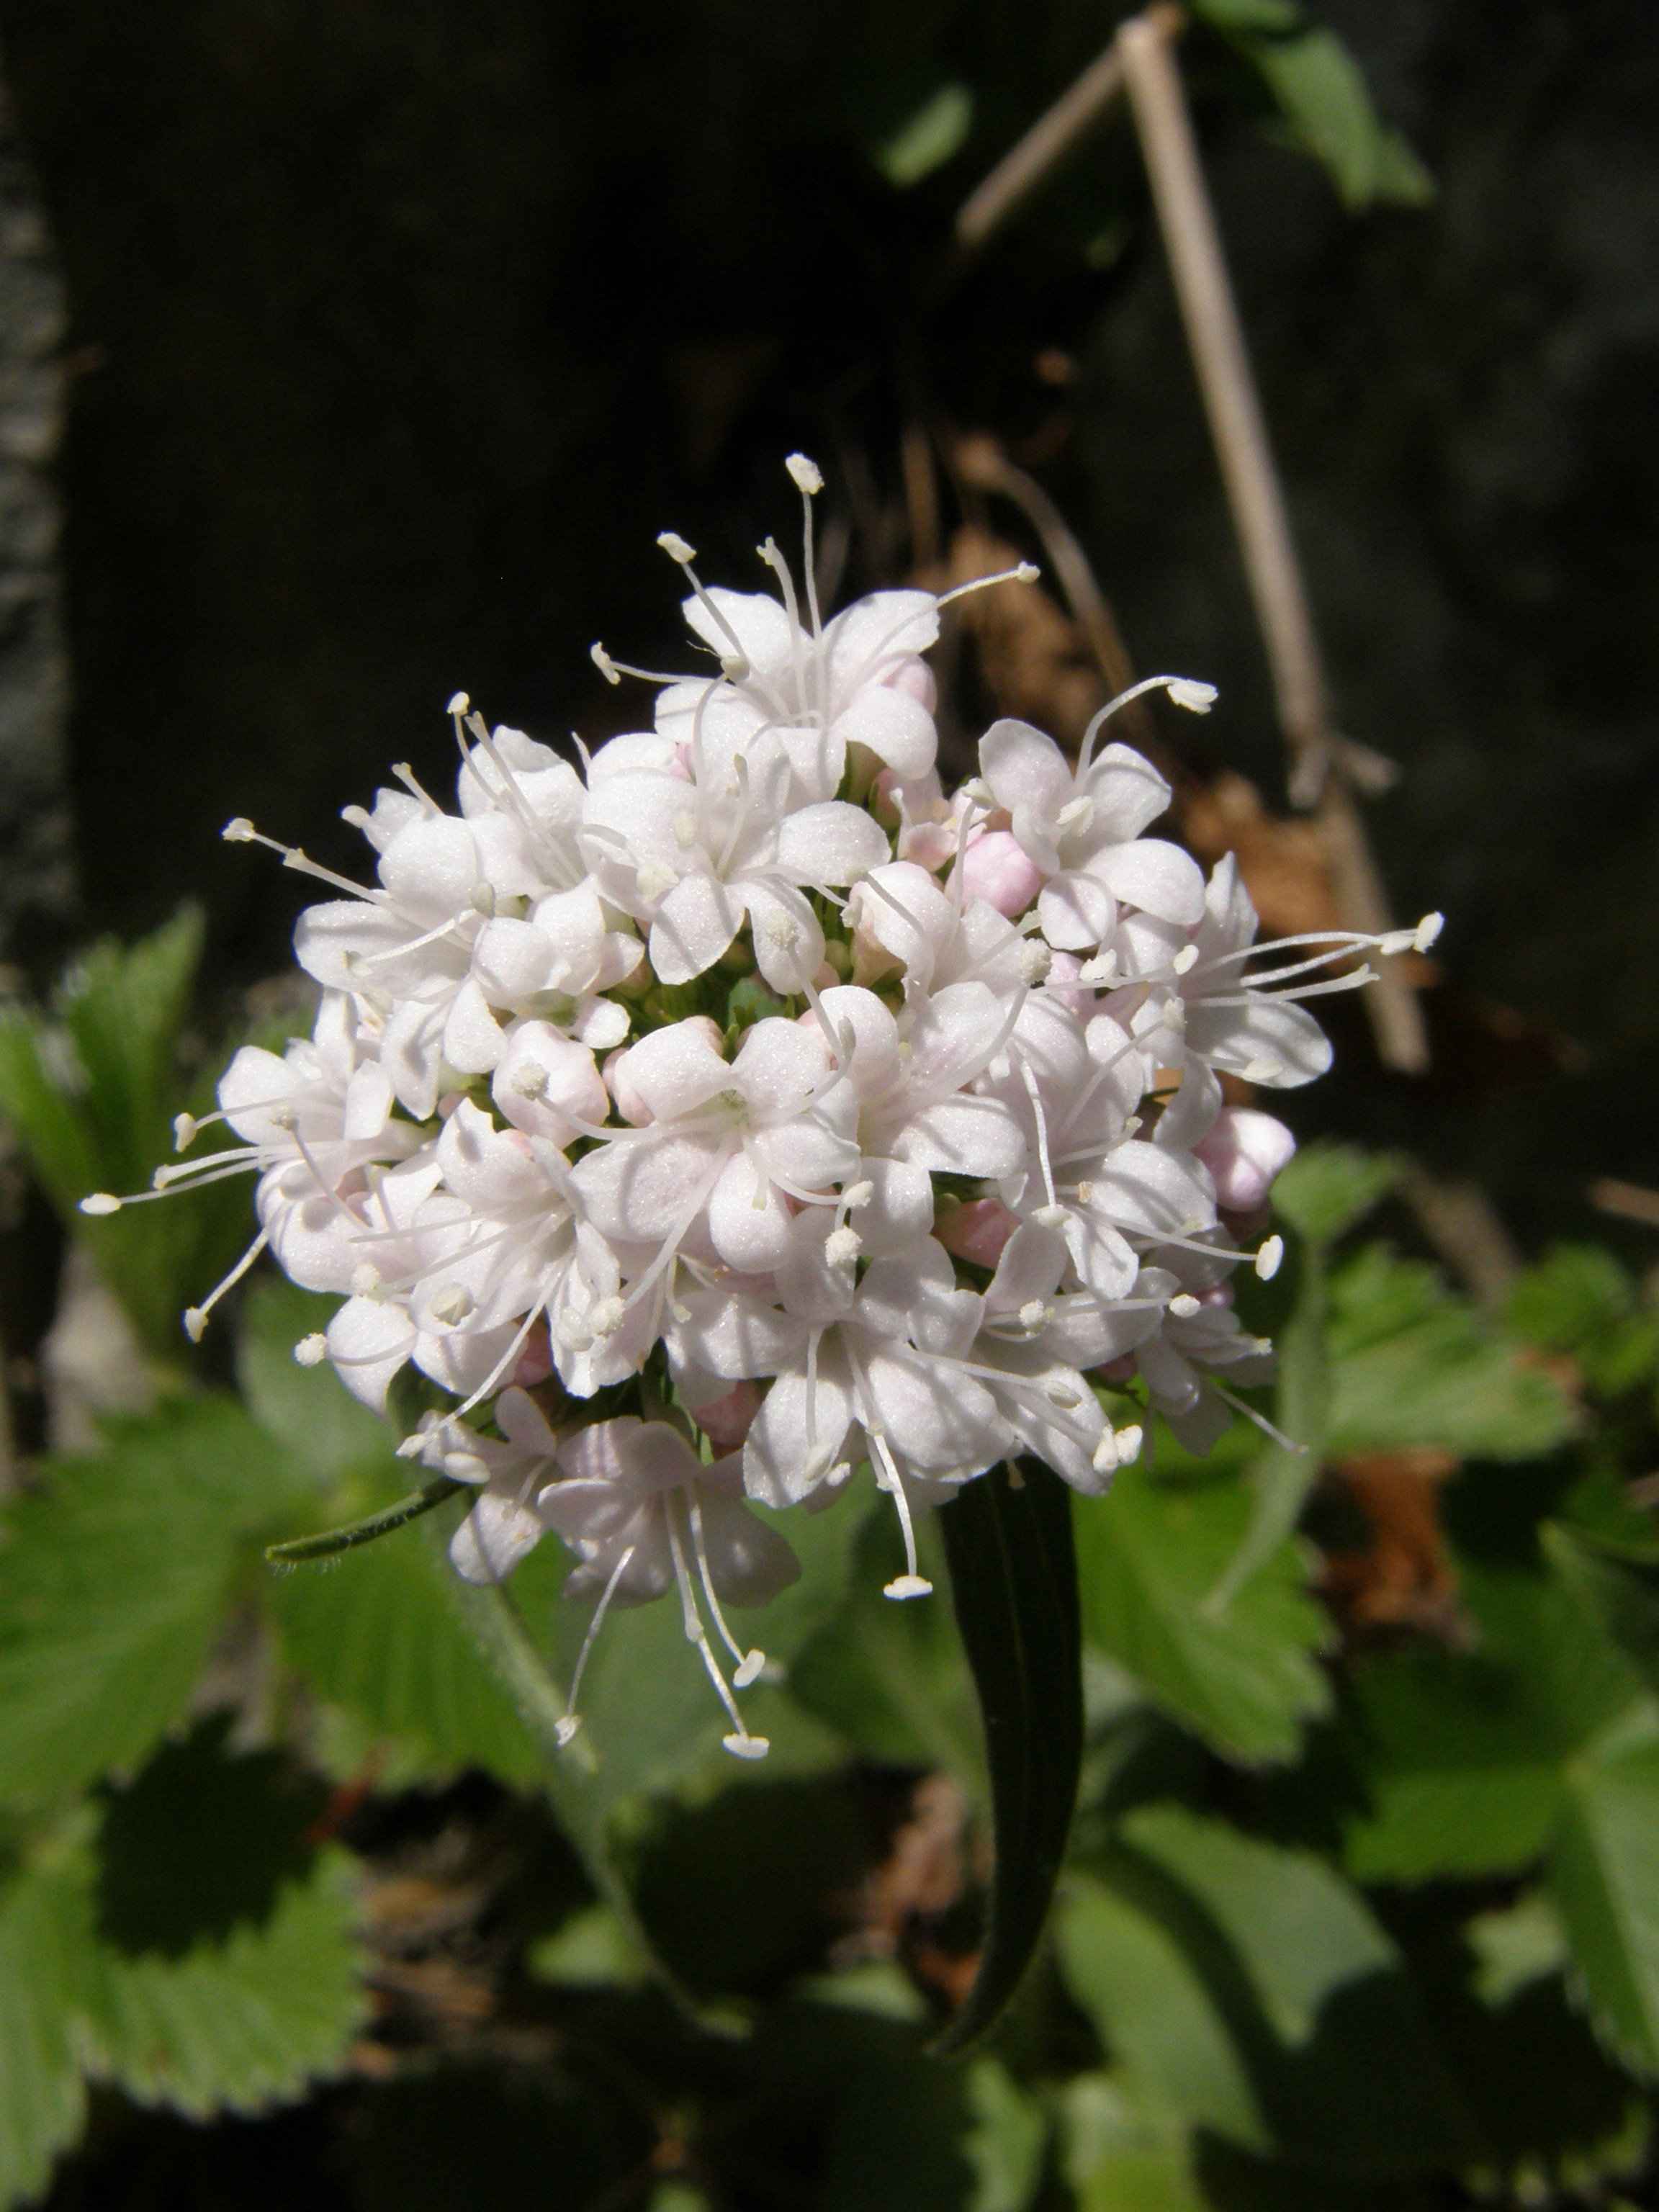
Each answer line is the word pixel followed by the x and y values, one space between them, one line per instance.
pixel 653 881
pixel 1067 1400
pixel 1128 1443
pixel 1101 969
pixel 358 816
pixel 1186 960
pixel 607 668
pixel 1103 1458
pixel 1035 1314
pixel 564 1731
pixel 685 830
pixel 1050 1217
pixel 746 1747
pixel 1035 961
pixel 365 1279
pixel 451 1304
pixel 311 1351
pixel 675 547
pixel 529 1079
pixel 460 703
pixel 1086 1194
pixel 1197 698
pixel 903 1586
pixel 1264 1068
pixel 1027 573
pixel 1173 1017
pixel 748 1670
pixel 734 667
pixel 481 899
pixel 184 1127
pixel 605 1318
pixel 979 792
pixel 841 1247
pixel 195 1323
pixel 781 931
pixel 1269 1257
pixel 239 831
pixel 804 475
pixel 1184 1305
pixel 857 1194
pixel 1428 930
pixel 99 1203
pixel 1076 814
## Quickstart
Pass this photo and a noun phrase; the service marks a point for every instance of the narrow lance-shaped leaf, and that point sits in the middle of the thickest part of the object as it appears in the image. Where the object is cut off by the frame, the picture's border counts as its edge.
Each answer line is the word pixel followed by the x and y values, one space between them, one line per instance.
pixel 1013 1577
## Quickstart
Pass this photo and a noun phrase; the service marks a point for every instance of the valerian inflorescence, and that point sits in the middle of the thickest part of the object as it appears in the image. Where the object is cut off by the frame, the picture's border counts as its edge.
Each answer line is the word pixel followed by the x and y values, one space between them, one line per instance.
pixel 840 1121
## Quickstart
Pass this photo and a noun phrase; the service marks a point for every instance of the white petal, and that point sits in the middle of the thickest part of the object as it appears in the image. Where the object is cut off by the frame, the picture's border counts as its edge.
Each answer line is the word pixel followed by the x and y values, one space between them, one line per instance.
pixel 696 922
pixel 797 1436
pixel 493 1539
pixel 1024 768
pixel 676 1069
pixel 830 844
pixel 367 1343
pixel 748 1562
pixel 472 1038
pixel 1155 875
pixel 754 1238
pixel 1077 911
pixel 1127 791
pixel 788 942
pixel 897 729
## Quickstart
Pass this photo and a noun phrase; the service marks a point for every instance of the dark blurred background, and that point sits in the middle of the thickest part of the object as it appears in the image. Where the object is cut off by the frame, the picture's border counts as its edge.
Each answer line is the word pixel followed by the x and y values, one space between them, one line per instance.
pixel 383 337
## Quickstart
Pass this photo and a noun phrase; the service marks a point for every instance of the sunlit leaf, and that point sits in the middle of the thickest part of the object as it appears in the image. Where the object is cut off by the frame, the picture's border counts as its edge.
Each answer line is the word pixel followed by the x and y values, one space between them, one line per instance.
pixel 1244 1675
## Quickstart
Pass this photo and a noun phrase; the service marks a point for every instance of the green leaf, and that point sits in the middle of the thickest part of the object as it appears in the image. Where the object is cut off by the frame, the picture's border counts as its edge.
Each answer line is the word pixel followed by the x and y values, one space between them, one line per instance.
pixel 892 1677
pixel 1329 1186
pixel 1242 1675
pixel 381 1632
pixel 1004 2146
pixel 1465 1750
pixel 1604 1879
pixel 115 1575
pixel 1013 1580
pixel 307 1409
pixel 201 1841
pixel 1299 1931
pixel 237 2024
pixel 1152 2011
pixel 1412 1364
pixel 1126 2149
pixel 933 136
pixel 1581 1301
pixel 1515 1947
pixel 91 1093
pixel 1328 110
pixel 43 1972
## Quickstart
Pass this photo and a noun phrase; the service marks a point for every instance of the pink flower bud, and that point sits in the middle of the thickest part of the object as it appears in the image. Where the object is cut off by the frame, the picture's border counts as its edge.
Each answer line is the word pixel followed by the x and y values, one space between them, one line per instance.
pixel 977 1230
pixel 1244 1151
pixel 536 1360
pixel 726 1422
pixel 915 679
pixel 998 871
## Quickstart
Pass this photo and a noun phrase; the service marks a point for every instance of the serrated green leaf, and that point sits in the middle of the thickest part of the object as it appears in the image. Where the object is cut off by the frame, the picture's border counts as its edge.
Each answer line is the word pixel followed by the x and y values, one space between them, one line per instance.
pixel 114 1578
pixel 1329 1187
pixel 1153 2012
pixel 1580 1300
pixel 1243 1675
pixel 1604 1879
pixel 1465 1750
pixel 43 1975
pixel 1412 1365
pixel 1515 1947
pixel 1014 1584
pixel 248 2022
pixel 381 1633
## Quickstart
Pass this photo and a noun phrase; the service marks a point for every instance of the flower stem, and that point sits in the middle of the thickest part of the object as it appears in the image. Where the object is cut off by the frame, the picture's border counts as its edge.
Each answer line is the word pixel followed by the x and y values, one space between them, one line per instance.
pixel 354 1532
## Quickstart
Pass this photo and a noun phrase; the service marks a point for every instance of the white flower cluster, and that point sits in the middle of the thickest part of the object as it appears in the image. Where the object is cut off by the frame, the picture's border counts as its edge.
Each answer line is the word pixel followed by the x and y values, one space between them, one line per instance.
pixel 748 1083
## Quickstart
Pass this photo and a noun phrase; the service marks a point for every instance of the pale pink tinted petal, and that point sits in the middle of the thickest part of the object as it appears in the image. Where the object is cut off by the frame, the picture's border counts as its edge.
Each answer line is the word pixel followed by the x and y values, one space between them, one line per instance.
pixel 830 844
pixel 1127 791
pixel 1076 911
pixel 896 728
pixel 1024 768
pixel 748 1220
pixel 696 922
